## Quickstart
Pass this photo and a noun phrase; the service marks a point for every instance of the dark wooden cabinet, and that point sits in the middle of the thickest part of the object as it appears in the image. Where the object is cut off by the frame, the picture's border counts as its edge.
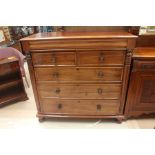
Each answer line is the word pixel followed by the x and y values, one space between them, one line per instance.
pixel 11 82
pixel 141 94
pixel 80 74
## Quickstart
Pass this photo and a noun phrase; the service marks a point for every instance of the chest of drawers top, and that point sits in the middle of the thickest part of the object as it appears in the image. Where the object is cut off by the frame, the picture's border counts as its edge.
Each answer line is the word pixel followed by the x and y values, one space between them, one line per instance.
pixel 63 40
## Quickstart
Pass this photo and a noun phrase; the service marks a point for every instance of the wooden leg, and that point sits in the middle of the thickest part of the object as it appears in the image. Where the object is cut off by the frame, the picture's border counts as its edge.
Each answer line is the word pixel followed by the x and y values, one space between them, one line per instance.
pixel 41 119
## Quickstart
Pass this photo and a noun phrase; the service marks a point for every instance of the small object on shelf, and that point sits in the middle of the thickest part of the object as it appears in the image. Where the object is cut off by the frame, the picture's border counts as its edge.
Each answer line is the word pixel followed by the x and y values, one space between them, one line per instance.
pixel 11 82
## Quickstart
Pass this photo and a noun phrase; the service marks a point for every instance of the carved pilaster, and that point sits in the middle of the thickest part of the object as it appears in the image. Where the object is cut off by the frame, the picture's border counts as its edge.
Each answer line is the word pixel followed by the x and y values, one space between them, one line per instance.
pixel 128 57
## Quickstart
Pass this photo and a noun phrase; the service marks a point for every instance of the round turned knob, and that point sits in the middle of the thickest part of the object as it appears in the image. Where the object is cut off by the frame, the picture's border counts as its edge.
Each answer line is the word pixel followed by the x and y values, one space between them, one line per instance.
pixel 100 74
pixel 100 91
pixel 59 106
pixel 55 74
pixel 53 59
pixel 98 107
pixel 101 57
pixel 57 90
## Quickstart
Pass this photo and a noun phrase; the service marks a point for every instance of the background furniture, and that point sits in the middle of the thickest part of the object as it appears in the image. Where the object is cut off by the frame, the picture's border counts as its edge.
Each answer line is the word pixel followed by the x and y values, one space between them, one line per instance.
pixel 11 83
pixel 79 74
pixel 141 94
pixel 131 29
pixel 12 52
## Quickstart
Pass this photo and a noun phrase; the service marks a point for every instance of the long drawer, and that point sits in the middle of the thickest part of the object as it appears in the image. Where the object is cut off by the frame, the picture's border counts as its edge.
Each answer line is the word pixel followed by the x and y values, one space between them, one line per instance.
pixel 79 74
pixel 80 107
pixel 78 43
pixel 83 91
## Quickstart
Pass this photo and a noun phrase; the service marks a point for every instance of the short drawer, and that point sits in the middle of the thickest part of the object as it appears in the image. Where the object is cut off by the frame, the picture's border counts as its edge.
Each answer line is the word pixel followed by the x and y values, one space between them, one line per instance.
pixel 80 107
pixel 142 65
pixel 99 58
pixel 53 58
pixel 83 91
pixel 79 74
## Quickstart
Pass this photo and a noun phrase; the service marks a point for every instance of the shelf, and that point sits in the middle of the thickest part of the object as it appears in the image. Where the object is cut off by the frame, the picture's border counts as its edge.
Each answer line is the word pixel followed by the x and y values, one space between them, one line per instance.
pixel 14 76
pixel 10 83
pixel 10 95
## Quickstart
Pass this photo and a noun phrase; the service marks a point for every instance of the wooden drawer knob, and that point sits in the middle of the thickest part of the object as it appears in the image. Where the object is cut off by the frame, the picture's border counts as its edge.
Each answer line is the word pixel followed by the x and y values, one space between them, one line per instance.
pixel 59 106
pixel 55 74
pixel 53 59
pixel 100 91
pixel 57 91
pixel 101 57
pixel 100 74
pixel 98 107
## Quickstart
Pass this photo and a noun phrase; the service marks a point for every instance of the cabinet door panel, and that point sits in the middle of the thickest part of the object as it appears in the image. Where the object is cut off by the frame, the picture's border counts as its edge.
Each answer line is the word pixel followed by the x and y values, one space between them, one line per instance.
pixel 141 95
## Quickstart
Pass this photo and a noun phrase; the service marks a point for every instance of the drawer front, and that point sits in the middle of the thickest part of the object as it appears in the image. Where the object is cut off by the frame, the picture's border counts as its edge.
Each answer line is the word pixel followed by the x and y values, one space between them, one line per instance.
pixel 140 65
pixel 78 44
pixel 80 107
pixel 100 58
pixel 83 91
pixel 79 74
pixel 53 58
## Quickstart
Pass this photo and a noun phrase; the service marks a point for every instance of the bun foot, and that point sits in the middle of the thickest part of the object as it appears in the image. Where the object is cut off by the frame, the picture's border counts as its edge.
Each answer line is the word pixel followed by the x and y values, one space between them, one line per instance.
pixel 41 119
pixel 120 119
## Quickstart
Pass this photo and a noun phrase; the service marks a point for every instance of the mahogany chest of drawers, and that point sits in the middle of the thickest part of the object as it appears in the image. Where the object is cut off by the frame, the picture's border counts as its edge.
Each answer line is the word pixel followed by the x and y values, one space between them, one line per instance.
pixel 81 75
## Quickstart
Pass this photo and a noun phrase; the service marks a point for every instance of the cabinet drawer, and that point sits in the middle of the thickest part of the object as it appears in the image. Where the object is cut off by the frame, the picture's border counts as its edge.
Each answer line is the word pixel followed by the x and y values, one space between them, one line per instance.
pixel 78 43
pixel 100 58
pixel 83 91
pixel 53 58
pixel 79 74
pixel 142 65
pixel 80 107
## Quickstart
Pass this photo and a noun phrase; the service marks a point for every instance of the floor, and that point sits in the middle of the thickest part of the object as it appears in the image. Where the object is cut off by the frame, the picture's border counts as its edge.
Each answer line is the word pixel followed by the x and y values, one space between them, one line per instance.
pixel 23 115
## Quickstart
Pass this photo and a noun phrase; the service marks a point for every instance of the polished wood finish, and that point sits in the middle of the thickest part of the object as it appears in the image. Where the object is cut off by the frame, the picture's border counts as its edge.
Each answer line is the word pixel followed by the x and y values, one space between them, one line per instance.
pixel 144 52
pixel 78 35
pixel 11 82
pixel 70 57
pixel 80 107
pixel 141 94
pixel 83 91
pixel 100 58
pixel 80 74
pixel 145 41
pixel 54 59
